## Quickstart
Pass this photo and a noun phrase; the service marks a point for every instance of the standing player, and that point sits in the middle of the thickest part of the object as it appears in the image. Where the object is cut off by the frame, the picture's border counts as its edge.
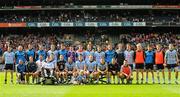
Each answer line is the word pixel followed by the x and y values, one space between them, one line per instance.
pixel 149 62
pixel 42 52
pixel 31 68
pixel 88 52
pixel 99 54
pixel 171 62
pixel 113 70
pixel 129 56
pixel 53 51
pixel 30 52
pixel 125 73
pixel 139 61
pixel 109 54
pixel 80 51
pixel 9 58
pixel 159 61
pixel 102 69
pixel 60 69
pixel 63 52
pixel 91 71
pixel 71 53
pixel 120 57
pixel 20 55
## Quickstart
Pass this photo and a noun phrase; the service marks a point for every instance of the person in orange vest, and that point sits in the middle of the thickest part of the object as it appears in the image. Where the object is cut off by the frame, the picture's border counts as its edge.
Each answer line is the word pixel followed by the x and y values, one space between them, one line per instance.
pixel 125 73
pixel 159 61
pixel 139 62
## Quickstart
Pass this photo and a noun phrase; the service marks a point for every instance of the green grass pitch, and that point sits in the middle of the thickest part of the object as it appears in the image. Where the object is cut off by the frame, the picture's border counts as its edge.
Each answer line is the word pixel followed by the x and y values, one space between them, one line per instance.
pixel 150 90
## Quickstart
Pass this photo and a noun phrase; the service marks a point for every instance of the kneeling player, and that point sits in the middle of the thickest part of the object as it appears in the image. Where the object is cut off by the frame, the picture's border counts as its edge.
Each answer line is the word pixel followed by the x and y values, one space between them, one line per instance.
pixel 126 73
pixel 38 73
pixel 91 68
pixel 80 79
pixel 48 66
pixel 21 71
pixel 60 69
pixel 70 68
pixel 112 70
pixel 80 65
pixel 31 68
pixel 102 69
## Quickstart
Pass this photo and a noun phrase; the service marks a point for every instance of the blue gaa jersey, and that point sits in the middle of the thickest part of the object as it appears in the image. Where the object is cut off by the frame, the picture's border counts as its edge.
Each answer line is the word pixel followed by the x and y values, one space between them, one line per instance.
pixel 102 67
pixel 55 54
pixel 170 56
pixel 109 54
pixel 9 57
pixel 80 65
pixel 70 66
pixel 29 53
pixel 20 55
pixel 129 56
pixel 91 66
pixel 87 53
pixel 21 68
pixel 149 57
pixel 64 53
pixel 41 52
pixel 98 56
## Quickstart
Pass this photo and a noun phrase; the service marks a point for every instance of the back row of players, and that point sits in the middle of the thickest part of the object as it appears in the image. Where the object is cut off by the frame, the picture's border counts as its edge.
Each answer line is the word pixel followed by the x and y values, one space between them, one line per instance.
pixel 84 64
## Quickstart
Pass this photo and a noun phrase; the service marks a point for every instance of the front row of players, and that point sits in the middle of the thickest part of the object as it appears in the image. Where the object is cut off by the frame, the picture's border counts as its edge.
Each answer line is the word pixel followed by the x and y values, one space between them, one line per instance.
pixel 80 72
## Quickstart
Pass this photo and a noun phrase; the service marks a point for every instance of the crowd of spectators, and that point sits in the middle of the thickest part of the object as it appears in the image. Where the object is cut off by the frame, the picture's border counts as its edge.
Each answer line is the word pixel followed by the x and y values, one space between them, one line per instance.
pixel 102 39
pixel 90 16
pixel 89 2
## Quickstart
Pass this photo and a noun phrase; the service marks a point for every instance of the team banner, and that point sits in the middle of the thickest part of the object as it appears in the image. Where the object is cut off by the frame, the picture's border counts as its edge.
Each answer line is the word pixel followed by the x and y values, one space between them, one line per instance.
pixel 43 24
pixel 55 24
pixel 67 24
pixel 6 25
pixel 116 24
pixel 127 23
pixel 91 24
pixel 31 24
pixel 139 23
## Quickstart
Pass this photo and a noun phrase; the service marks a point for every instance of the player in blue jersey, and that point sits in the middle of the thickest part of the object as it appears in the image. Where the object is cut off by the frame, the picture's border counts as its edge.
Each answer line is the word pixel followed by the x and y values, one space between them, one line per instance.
pixel 21 71
pixel 63 51
pixel 129 56
pixel 109 54
pixel 99 54
pixel 20 55
pixel 149 62
pixel 42 52
pixel 9 59
pixel 91 69
pixel 70 69
pixel 80 65
pixel 30 52
pixel 102 69
pixel 171 62
pixel 88 52
pixel 53 51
